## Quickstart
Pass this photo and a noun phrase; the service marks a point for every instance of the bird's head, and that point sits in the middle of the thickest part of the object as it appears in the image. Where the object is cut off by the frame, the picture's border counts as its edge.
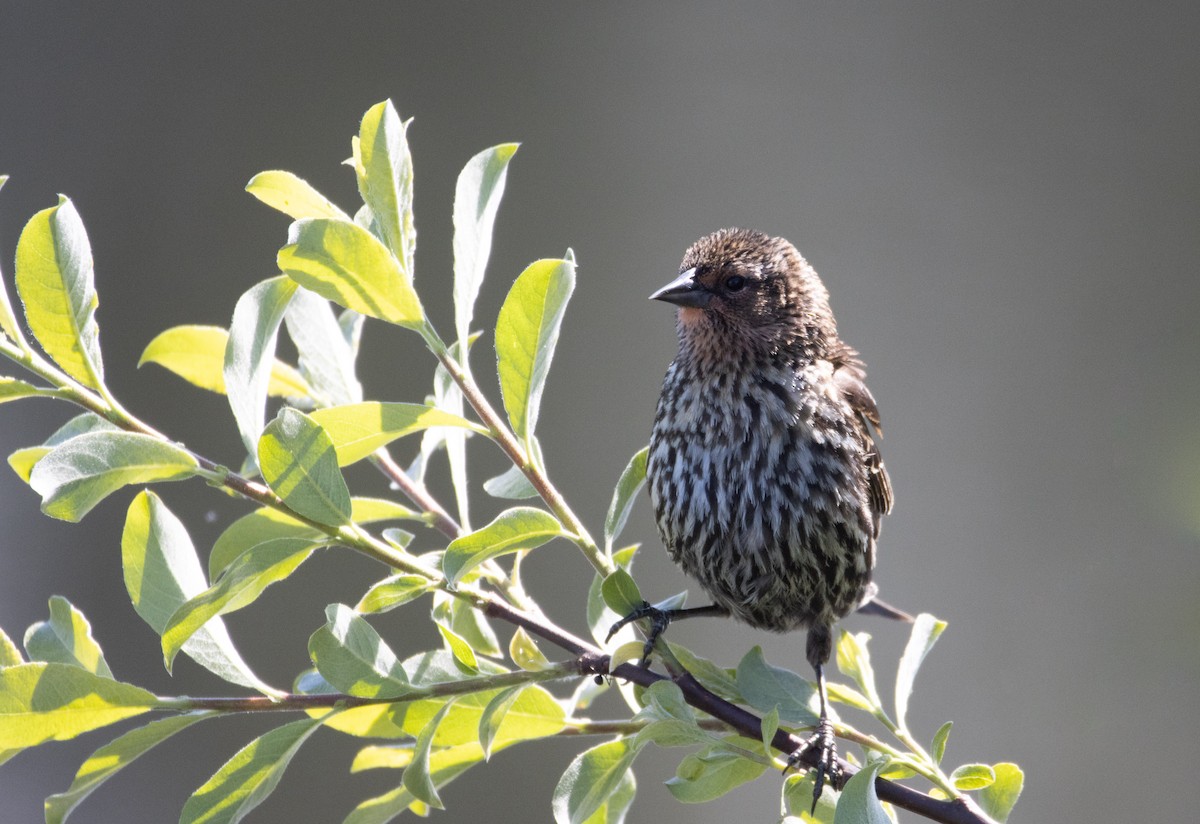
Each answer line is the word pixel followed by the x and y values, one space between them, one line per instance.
pixel 742 290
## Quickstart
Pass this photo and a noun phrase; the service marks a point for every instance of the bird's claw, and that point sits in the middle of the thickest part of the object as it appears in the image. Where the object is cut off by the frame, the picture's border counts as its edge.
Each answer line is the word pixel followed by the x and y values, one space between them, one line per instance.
pixel 659 619
pixel 827 767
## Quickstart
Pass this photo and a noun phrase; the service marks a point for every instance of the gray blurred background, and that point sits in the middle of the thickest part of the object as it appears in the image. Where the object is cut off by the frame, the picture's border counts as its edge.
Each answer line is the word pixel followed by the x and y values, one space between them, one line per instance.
pixel 1002 199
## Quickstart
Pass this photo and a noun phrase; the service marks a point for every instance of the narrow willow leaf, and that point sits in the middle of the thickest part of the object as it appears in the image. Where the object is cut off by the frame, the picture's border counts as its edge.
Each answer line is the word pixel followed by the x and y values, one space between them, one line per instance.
pixel 973 777
pixel 513 530
pixel 162 572
pixel 250 354
pixel 600 617
pixel 444 766
pixel 298 462
pixel 858 803
pixel 23 460
pixel 66 638
pixel 370 721
pixel 526 333
pixel 621 593
pixel 710 774
pixel 10 654
pixel 351 656
pixel 845 694
pixel 55 281
pixel 925 631
pixel 107 761
pixel 266 523
pixel 459 648
pixel 12 389
pixel 417 778
pixel 625 653
pixel 616 807
pixel 247 779
pixel 240 585
pixel 591 778
pixel 81 472
pixel 630 483
pixel 382 757
pixel 345 263
pixel 295 197
pixel 511 484
pixel 385 179
pixel 55 702
pixel 493 716
pixel 770 726
pixel 326 356
pixel 392 592
pixel 998 799
pixel 197 354
pixel 477 196
pixel 854 660
pixel 938 748
pixel 526 654
pixel 798 801
pixel 766 687
pixel 359 429
pixel 714 678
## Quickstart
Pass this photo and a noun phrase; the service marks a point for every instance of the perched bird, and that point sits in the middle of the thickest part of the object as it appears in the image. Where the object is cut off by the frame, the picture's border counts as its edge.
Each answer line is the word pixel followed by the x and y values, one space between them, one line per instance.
pixel 763 470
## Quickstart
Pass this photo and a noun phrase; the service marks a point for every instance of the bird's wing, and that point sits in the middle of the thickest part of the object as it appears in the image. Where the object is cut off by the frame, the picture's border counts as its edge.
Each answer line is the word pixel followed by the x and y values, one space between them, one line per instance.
pixel 850 377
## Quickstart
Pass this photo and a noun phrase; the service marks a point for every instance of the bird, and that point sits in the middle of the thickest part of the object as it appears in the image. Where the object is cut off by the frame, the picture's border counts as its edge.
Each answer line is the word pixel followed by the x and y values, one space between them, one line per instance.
pixel 763 469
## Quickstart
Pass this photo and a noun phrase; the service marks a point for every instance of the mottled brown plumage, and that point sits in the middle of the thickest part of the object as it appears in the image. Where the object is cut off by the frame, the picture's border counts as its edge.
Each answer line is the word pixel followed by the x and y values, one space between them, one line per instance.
pixel 764 473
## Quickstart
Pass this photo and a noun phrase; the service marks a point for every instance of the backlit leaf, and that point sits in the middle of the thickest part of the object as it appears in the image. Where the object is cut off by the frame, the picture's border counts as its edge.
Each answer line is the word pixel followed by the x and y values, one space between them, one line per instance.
pixel 513 530
pixel 998 799
pixel 359 429
pixel 766 687
pixel 197 354
pixel 298 462
pixel 925 631
pixel 858 803
pixel 591 778
pixel 630 483
pixel 351 656
pixel 295 197
pixel 326 356
pixel 66 638
pixel 385 179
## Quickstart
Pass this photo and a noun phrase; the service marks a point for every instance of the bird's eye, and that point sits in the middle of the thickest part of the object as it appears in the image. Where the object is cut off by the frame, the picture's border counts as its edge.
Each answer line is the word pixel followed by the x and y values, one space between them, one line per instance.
pixel 735 284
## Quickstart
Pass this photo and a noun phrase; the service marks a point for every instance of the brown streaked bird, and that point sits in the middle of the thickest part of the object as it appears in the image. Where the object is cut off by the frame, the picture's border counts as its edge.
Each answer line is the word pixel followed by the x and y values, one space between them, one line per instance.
pixel 763 470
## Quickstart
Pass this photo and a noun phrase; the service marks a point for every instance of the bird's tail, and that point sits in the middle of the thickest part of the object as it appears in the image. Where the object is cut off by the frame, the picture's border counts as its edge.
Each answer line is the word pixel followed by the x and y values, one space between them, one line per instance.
pixel 871 605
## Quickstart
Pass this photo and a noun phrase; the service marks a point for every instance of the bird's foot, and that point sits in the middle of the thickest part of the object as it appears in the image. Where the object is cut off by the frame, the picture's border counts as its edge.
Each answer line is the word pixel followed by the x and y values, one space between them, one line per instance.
pixel 822 740
pixel 659 619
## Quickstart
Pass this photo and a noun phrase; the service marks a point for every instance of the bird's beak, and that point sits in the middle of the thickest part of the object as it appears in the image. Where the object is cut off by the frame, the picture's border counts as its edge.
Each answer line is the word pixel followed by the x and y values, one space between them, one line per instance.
pixel 684 291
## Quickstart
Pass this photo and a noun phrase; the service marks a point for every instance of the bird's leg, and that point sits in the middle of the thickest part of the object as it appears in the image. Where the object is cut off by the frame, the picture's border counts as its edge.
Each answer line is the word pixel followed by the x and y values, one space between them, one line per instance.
pixel 660 619
pixel 820 645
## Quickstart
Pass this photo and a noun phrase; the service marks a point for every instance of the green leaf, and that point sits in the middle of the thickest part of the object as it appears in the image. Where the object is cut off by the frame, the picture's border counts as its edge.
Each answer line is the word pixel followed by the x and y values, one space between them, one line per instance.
pixel 242 582
pixel 55 281
pixel 295 197
pixel 998 799
pixel 66 639
pixel 162 571
pixel 798 799
pixel 858 803
pixel 616 806
pixel 526 333
pixel 672 723
pixel 10 654
pixel 326 356
pixel 459 647
pixel 345 263
pixel 938 748
pixel 197 354
pixel 973 777
pixel 854 660
pixel 631 481
pixel 621 593
pixel 351 656
pixel 766 687
pixel 444 766
pixel 266 523
pixel 467 622
pixel 385 179
pixel 511 484
pixel 513 530
pixel 8 319
pixel 79 473
pixel 250 354
pixel 392 592
pixel 55 702
pixel 12 389
pixel 417 778
pixel 246 780
pixel 493 716
pixel 23 460
pixel 925 631
pixel 298 462
pixel 714 678
pixel 358 429
pixel 476 198
pixel 526 654
pixel 105 762
pixel 707 775
pixel 592 777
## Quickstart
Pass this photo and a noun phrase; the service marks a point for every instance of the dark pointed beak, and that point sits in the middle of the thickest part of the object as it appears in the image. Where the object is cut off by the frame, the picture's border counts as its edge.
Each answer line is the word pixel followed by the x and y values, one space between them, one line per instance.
pixel 684 291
